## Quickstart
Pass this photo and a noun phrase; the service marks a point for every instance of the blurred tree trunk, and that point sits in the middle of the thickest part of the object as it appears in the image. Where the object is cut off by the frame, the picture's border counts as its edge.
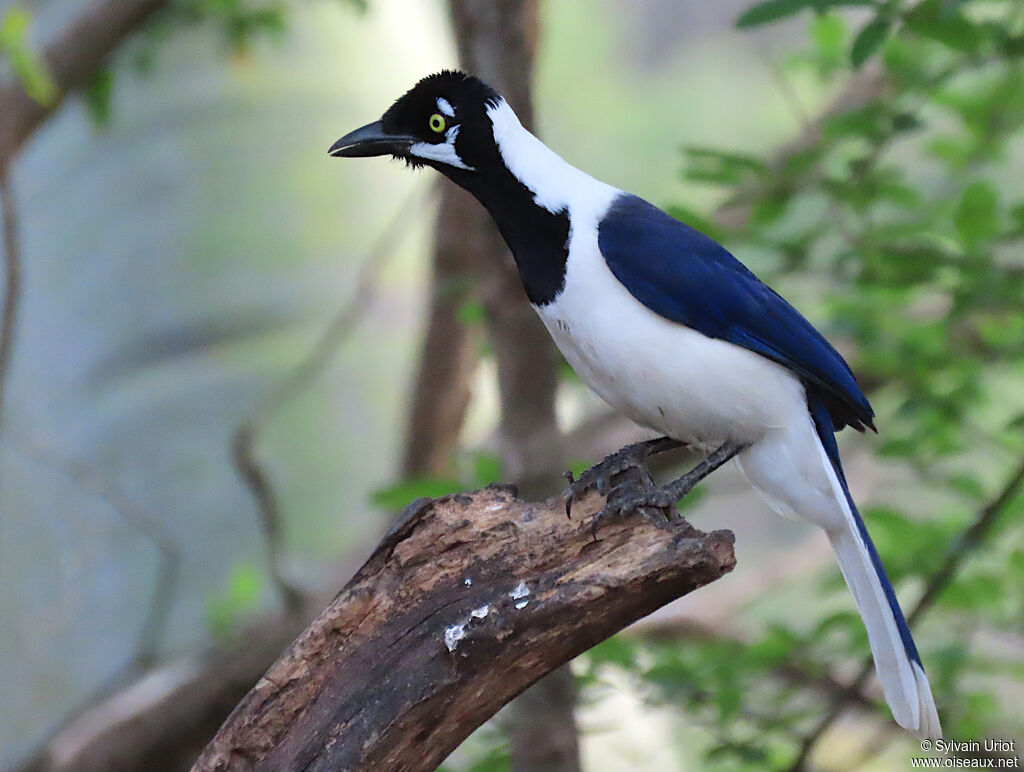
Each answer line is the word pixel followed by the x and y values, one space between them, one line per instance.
pixel 448 355
pixel 497 41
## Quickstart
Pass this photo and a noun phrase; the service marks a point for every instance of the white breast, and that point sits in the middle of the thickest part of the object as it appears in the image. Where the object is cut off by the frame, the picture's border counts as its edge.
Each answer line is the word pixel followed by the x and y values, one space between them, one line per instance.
pixel 659 373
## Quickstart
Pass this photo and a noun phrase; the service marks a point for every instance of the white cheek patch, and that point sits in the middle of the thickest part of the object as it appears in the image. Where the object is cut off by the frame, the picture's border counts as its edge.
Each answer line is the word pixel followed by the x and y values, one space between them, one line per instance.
pixel 443 152
pixel 445 107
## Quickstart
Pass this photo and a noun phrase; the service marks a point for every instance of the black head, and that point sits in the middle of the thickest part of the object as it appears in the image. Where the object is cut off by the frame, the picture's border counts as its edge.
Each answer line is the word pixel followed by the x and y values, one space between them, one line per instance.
pixel 461 127
pixel 441 122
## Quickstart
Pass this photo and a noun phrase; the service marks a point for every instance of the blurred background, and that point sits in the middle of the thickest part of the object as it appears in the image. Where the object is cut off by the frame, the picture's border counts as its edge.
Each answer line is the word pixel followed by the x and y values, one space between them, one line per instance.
pixel 226 360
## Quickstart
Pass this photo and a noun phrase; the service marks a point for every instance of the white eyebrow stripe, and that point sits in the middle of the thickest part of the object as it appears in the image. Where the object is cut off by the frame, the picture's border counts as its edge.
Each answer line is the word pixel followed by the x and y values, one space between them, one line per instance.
pixel 445 107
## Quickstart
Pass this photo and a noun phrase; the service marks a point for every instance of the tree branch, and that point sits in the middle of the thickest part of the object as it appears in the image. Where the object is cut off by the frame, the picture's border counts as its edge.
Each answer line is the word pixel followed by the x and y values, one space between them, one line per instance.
pixel 72 59
pixel 91 480
pixel 12 281
pixel 243 442
pixel 466 602
pixel 160 721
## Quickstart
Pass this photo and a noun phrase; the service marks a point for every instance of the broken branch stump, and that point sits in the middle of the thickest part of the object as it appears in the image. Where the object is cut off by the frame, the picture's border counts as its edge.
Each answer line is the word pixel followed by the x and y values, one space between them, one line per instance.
pixel 467 601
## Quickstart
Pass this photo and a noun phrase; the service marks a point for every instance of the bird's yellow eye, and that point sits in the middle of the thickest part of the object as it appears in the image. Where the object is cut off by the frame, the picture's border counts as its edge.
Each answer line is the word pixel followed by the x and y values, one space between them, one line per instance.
pixel 436 123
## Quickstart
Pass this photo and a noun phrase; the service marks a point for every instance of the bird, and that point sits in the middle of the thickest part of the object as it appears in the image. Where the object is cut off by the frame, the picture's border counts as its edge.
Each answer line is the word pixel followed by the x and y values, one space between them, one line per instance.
pixel 673 331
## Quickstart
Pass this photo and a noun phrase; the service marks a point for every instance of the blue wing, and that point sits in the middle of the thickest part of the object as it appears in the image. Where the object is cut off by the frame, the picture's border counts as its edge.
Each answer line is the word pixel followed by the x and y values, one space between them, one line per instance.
pixel 682 275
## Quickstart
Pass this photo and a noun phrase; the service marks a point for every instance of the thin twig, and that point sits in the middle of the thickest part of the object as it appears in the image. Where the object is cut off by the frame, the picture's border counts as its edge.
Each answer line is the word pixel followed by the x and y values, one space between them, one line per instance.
pixel 12 281
pixel 785 86
pixel 305 373
pixel 969 540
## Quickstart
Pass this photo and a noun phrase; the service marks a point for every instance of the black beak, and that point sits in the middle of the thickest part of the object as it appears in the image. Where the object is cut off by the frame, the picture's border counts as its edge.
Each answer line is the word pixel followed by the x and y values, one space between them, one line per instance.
pixel 370 140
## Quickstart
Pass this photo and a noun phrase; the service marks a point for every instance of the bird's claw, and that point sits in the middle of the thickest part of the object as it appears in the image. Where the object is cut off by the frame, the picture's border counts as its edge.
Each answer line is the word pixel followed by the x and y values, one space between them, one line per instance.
pixel 645 499
pixel 599 477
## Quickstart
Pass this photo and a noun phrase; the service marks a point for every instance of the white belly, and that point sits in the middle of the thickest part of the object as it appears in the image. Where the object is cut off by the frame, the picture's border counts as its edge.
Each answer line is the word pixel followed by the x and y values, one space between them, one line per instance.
pixel 659 373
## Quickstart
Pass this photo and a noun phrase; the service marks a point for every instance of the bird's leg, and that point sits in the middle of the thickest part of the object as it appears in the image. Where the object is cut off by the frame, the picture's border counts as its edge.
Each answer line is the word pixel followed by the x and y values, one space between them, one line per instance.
pixel 600 475
pixel 624 499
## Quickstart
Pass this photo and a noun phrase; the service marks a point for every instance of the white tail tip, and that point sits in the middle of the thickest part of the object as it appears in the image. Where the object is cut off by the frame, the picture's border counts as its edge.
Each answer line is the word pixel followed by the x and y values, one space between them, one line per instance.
pixel 928 726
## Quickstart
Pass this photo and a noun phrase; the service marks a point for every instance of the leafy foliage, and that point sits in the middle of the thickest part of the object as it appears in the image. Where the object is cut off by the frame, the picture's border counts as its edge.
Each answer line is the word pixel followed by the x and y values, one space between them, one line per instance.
pixel 904 217
pixel 27 67
pixel 241 24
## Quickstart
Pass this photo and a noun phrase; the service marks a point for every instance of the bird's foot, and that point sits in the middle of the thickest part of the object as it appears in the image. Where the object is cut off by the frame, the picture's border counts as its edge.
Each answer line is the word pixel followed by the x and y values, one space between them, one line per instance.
pixel 659 504
pixel 600 475
pixel 636 497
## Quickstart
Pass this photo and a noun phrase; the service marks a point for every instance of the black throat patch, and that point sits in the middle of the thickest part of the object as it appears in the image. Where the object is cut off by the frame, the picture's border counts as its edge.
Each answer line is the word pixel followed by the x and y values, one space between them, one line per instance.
pixel 537 237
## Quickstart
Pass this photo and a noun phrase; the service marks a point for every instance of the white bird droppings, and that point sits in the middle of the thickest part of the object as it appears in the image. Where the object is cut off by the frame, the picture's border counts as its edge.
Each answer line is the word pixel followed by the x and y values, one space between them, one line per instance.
pixel 454 634
pixel 480 613
pixel 521 591
pixel 522 604
pixel 468 582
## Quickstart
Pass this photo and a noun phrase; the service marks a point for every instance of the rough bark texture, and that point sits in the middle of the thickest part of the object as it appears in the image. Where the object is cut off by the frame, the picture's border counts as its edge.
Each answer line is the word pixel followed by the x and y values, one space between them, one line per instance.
pixel 467 601
pixel 72 59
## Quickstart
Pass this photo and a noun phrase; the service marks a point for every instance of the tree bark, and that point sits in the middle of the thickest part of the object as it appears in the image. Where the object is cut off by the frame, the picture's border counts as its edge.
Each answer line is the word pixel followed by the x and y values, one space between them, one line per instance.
pixel 466 602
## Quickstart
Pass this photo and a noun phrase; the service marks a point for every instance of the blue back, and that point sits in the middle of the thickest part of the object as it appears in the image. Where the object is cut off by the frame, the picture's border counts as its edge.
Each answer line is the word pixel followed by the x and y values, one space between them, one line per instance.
pixel 682 275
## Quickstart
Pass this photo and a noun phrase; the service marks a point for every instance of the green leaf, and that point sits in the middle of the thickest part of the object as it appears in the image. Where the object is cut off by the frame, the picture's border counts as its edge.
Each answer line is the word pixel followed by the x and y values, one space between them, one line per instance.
pixel 828 31
pixel 977 216
pixel 967 485
pixel 97 97
pixel 770 11
pixel 617 650
pixel 396 496
pixel 773 10
pixel 28 68
pixel 939 20
pixel 823 5
pixel 471 313
pixel 869 40
pixel 720 167
pixel 486 469
pixel 239 598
